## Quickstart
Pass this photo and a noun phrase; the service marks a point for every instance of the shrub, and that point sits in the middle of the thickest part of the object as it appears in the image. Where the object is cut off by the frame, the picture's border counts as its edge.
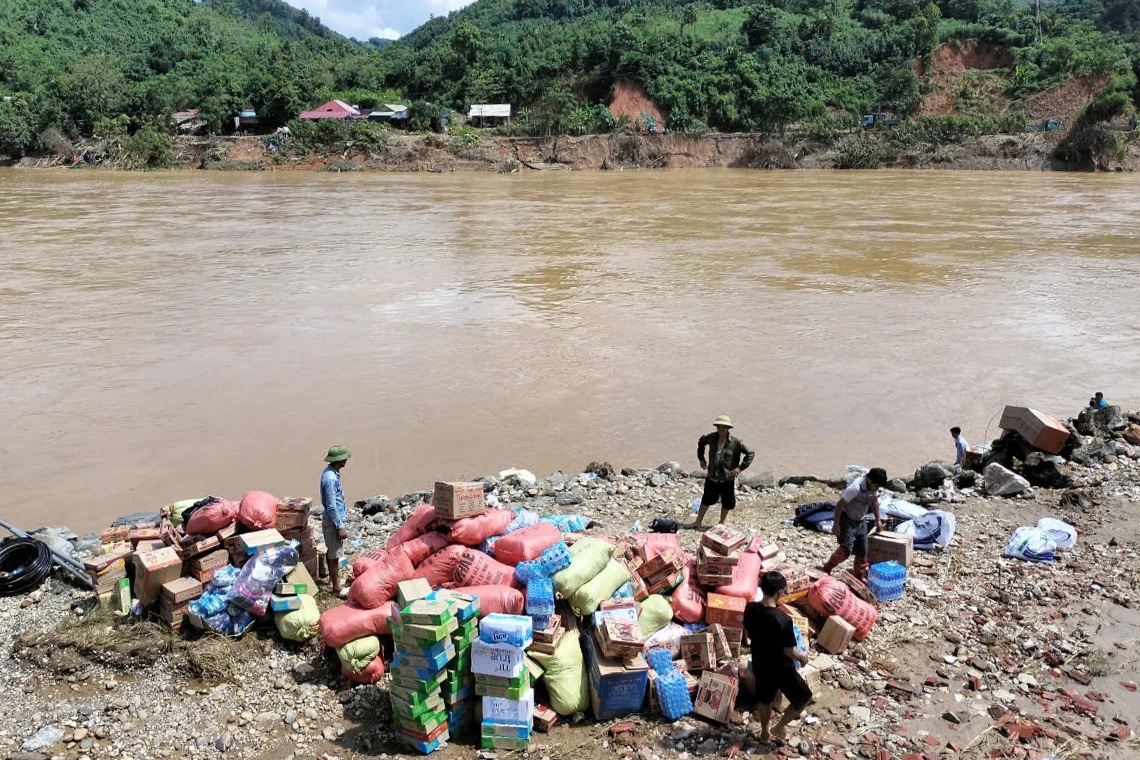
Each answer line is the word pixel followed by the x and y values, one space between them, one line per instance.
pixel 148 149
pixel 862 153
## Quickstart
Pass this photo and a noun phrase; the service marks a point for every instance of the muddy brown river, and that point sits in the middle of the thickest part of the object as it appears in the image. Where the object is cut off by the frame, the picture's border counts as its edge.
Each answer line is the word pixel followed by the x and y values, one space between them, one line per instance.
pixel 175 335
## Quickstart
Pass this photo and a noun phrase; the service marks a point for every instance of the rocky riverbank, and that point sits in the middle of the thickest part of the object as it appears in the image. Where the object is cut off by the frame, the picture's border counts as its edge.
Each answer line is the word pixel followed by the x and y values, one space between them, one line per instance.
pixel 983 657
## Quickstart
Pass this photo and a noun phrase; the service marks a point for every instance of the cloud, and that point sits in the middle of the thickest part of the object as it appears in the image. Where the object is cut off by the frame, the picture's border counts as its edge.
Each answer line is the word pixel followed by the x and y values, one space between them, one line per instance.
pixel 363 19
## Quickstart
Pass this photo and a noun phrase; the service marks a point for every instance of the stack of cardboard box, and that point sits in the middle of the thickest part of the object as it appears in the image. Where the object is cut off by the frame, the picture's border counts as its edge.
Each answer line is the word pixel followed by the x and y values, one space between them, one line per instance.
pixel 114 540
pixel 175 599
pixel 727 612
pixel 718 555
pixel 503 680
pixel 293 525
pixel 617 687
pixel 664 572
pixel 288 592
pixel 458 688
pixel 152 570
pixel 106 570
pixel 424 647
pixel 547 641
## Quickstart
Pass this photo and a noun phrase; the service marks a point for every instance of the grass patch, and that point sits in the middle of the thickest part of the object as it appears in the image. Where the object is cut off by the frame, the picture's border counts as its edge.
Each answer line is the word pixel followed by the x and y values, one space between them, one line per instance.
pixel 1098 663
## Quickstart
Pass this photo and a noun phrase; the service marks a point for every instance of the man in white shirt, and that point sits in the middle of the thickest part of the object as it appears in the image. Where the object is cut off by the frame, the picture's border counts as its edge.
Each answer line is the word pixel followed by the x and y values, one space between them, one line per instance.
pixel 850 526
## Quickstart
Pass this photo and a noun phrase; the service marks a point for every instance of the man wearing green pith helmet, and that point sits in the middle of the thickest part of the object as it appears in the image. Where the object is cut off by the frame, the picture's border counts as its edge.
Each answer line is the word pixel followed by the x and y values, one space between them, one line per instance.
pixel 334 518
pixel 728 457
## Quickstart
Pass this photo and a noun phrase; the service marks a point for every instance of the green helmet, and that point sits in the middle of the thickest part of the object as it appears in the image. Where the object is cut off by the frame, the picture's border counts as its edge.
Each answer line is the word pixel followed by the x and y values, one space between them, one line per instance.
pixel 338 454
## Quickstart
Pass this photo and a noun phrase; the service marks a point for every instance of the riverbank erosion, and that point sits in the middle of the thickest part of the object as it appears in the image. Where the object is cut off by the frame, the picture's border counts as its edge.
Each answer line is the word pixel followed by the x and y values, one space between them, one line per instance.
pixel 984 656
pixel 931 143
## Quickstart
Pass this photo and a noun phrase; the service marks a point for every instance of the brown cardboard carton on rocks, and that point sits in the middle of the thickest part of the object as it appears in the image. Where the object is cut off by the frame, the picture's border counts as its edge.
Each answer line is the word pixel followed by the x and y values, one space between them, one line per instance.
pixel 835 635
pixel 720 642
pixel 1039 429
pixel 453 501
pixel 887 546
pixel 152 570
pixel 716 696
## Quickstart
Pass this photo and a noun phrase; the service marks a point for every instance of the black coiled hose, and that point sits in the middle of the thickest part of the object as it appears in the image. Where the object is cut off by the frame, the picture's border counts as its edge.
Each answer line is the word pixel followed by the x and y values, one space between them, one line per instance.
pixel 24 564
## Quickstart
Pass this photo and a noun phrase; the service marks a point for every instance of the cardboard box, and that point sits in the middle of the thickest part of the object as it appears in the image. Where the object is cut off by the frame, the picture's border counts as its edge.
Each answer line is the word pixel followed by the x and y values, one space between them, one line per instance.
pixel 858 587
pixel 118 549
pixel 152 570
pixel 144 534
pixel 181 590
pixel 835 635
pixel 664 565
pixel 544 718
pixel 887 546
pixel 153 545
pixel 715 563
pixel 620 639
pixel 667 583
pixel 496 659
pixel 197 545
pixel 453 501
pixel 212 561
pixel 115 534
pixel 723 539
pixel 551 634
pixel 716 697
pixel 697 651
pixel 121 597
pixel 227 532
pixel 409 591
pixel 726 610
pixel 809 673
pixel 1039 429
pixel 616 688
pixel 720 643
pixel 510 711
pixel 260 539
pixel 548 647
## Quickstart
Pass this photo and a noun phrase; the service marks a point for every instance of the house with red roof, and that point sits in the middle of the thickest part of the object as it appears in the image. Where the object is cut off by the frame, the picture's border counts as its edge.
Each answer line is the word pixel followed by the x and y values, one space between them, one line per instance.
pixel 334 109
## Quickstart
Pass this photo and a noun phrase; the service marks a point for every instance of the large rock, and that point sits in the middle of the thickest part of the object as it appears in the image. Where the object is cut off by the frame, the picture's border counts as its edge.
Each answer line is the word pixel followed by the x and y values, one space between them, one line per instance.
pixel 1094 452
pixel 1003 482
pixel 931 475
pixel 656 479
pixel 138 519
pixel 1045 471
pixel 799 480
pixel 757 480
pixel 897 485
pixel 1132 434
pixel 1101 423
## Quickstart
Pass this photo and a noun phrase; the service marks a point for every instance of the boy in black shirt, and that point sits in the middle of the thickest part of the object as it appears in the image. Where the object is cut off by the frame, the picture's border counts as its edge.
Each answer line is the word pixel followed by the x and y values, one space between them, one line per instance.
pixel 773 659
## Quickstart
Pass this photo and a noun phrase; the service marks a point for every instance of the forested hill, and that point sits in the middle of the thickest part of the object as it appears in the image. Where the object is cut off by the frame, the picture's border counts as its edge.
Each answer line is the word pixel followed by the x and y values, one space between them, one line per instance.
pixel 745 64
pixel 104 66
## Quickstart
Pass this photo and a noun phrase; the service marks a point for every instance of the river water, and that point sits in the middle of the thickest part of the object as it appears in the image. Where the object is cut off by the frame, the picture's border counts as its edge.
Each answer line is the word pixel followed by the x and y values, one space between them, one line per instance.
pixel 175 335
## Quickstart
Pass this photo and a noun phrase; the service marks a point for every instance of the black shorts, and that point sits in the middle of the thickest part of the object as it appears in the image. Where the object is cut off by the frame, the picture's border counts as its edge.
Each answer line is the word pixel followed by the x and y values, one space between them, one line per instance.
pixel 785 680
pixel 724 492
pixel 853 536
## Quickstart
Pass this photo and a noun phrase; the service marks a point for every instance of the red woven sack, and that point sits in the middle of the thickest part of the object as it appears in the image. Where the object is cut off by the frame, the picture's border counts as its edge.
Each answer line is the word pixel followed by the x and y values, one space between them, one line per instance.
pixel 340 625
pixel 378 584
pixel 477 569
pixel 472 531
pixel 688 601
pixel 655 543
pixel 372 674
pixel 526 544
pixel 497 599
pixel 365 562
pixel 859 614
pixel 422 547
pixel 439 568
pixel 745 578
pixel 417 524
pixel 212 518
pixel 258 510
pixel 827 595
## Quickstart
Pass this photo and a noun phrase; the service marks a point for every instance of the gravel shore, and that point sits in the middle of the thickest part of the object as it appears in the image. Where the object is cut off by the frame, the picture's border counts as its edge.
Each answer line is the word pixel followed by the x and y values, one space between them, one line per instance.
pixel 982 655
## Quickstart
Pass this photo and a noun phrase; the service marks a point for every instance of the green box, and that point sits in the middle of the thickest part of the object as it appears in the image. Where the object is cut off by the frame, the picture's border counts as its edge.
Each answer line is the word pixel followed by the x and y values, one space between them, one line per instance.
pixel 502 742
pixel 424 724
pixel 486 690
pixel 413 696
pixel 522 680
pixel 412 680
pixel 411 711
pixel 425 612
pixel 428 633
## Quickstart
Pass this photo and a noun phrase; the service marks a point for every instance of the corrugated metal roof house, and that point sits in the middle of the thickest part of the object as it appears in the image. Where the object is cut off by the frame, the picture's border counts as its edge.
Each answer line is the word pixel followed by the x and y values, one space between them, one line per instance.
pixel 489 115
pixel 334 109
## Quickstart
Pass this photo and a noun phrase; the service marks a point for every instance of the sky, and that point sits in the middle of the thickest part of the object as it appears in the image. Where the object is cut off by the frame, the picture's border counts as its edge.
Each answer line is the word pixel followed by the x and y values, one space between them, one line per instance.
pixel 363 19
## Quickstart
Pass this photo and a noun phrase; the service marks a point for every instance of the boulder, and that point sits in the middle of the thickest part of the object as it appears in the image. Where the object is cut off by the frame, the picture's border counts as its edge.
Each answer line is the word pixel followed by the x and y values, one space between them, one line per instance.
pixel 931 475
pixel 1093 452
pixel 898 485
pixel 1132 434
pixel 799 480
pixel 656 479
pixel 138 519
pixel 672 469
pixel 374 505
pixel 521 478
pixel 1003 482
pixel 1045 471
pixel 757 480
pixel 1101 423
pixel 966 479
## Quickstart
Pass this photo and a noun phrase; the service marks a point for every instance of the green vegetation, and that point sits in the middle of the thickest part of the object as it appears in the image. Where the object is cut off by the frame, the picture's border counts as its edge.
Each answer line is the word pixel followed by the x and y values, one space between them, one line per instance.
pixel 117 69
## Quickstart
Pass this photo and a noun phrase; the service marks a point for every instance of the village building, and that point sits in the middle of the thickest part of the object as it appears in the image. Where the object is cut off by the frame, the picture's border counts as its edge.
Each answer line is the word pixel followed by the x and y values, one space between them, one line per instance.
pixel 489 115
pixel 334 109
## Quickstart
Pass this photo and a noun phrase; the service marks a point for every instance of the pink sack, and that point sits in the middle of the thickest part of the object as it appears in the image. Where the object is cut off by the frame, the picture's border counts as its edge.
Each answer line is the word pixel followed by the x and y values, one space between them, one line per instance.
pixel 417 524
pixel 477 569
pixel 526 544
pixel 340 625
pixel 439 568
pixel 364 562
pixel 472 531
pixel 258 510
pixel 378 584
pixel 827 595
pixel 212 518
pixel 859 614
pixel 655 543
pixel 745 578
pixel 422 547
pixel 497 599
pixel 688 601
pixel 372 674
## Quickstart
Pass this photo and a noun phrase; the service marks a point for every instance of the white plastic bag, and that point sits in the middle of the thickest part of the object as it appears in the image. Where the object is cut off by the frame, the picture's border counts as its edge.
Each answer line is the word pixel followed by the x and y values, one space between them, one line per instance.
pixel 695 507
pixel 900 509
pixel 1063 534
pixel 1033 544
pixel 938 524
pixel 669 638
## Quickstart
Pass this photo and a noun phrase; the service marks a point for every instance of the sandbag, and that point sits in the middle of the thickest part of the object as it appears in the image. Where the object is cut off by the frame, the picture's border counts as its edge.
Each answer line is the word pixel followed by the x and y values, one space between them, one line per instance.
pixel 422 547
pixel 655 543
pixel 212 517
pixel 1063 534
pixel 417 524
pixel 565 675
pixel 497 599
pixel 477 569
pixel 688 601
pixel 472 531
pixel 655 614
pixel 374 673
pixel 598 589
pixel 745 578
pixel 589 557
pixel 378 584
pixel 258 510
pixel 348 622
pixel 1033 544
pixel 526 544
pixel 359 654
pixel 439 568
pixel 302 624
pixel 668 637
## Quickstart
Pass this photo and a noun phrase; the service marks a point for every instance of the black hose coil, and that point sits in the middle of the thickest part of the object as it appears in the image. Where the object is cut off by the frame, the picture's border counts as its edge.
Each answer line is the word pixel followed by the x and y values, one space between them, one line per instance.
pixel 24 564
